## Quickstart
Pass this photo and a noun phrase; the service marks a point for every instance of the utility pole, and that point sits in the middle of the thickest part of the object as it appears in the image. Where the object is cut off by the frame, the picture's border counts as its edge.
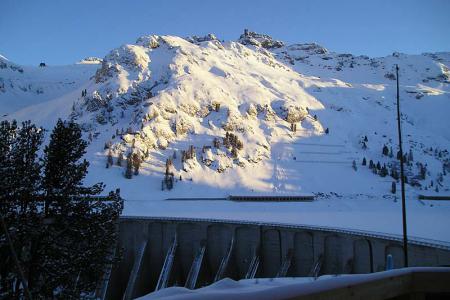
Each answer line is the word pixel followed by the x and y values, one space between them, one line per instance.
pixel 402 175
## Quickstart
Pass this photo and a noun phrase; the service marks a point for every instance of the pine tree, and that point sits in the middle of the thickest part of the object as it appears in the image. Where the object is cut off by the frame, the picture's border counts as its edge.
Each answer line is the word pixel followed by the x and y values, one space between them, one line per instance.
pixel 110 161
pixel 89 225
pixel 371 165
pixel 364 162
pixel 385 150
pixel 384 171
pixel 354 166
pixel 19 181
pixel 327 131
pixel 27 169
pixel 394 173
pixel 366 139
pixel 129 167
pixel 72 238
pixel 393 187
pixel 378 166
pixel 423 171
pixel 410 155
pixel 120 159
pixel 63 173
pixel 136 163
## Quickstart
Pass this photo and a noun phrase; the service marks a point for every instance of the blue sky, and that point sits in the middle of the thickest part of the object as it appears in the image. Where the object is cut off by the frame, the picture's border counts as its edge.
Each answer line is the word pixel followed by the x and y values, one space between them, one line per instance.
pixel 62 32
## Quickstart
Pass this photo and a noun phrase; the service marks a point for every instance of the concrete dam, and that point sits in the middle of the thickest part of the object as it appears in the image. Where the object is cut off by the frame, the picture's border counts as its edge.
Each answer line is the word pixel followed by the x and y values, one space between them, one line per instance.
pixel 163 252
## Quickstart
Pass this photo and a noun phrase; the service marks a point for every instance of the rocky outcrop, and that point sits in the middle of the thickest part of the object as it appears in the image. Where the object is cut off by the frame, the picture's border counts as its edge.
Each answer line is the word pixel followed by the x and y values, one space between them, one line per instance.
pixel 199 39
pixel 259 40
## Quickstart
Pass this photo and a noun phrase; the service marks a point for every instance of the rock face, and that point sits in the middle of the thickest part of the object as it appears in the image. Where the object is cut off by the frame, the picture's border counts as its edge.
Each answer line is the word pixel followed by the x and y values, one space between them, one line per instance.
pixel 200 39
pixel 259 40
pixel 90 60
pixel 311 48
pixel 6 64
pixel 148 41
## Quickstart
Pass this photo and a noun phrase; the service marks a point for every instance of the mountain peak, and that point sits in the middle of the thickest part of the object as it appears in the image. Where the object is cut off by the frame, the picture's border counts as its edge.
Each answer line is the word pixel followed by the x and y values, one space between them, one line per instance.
pixel 259 40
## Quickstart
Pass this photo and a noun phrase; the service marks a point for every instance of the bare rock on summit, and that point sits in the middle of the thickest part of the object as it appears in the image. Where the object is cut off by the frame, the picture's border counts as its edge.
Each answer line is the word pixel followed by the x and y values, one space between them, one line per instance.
pixel 130 56
pixel 259 40
pixel 199 39
pixel 148 41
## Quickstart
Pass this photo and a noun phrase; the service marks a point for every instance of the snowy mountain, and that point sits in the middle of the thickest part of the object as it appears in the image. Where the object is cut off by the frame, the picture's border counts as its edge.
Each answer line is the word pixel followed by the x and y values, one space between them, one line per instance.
pixel 246 117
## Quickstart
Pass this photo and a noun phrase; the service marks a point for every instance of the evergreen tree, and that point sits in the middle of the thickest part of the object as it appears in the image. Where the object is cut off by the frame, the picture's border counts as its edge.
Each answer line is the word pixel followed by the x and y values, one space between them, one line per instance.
pixel 423 171
pixel 366 139
pixel 354 166
pixel 63 170
pixel 378 166
pixel 69 241
pixel 371 165
pixel 364 162
pixel 120 159
pixel 391 152
pixel 385 150
pixel 327 131
pixel 393 187
pixel 384 171
pixel 7 137
pixel 19 206
pixel 84 227
pixel 410 155
pixel 136 163
pixel 110 158
pixel 129 167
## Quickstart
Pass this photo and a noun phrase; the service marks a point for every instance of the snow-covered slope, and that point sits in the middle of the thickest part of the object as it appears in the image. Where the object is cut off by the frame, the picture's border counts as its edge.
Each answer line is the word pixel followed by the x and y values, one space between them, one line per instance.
pixel 229 107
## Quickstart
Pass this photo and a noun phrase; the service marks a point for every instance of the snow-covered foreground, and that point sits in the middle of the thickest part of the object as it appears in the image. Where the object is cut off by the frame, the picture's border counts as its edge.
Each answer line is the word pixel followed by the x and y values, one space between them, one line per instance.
pixel 164 94
pixel 291 288
pixel 226 288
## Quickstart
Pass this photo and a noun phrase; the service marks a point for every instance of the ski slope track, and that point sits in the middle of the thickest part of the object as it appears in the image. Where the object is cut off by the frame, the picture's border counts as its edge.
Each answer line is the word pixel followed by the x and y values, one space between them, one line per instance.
pixel 165 95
